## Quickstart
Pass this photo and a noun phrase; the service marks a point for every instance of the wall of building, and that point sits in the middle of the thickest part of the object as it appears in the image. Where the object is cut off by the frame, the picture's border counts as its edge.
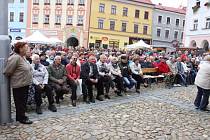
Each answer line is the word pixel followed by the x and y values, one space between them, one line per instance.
pixel 202 34
pixel 17 28
pixel 106 35
pixel 163 26
pixel 63 31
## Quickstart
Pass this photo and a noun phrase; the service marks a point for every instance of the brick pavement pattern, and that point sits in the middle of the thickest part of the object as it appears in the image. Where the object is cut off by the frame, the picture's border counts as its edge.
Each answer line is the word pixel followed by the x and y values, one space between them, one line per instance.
pixel 156 113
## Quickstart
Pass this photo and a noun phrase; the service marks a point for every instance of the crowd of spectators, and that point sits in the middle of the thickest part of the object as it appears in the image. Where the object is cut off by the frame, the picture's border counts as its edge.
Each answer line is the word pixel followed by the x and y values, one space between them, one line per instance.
pixel 56 71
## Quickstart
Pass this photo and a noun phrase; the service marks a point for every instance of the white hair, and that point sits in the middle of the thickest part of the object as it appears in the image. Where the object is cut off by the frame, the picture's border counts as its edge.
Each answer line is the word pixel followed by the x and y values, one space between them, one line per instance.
pixel 57 57
pixel 34 56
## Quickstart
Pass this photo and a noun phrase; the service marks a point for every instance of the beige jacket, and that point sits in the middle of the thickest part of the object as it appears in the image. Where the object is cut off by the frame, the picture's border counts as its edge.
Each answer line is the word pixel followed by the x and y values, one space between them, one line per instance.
pixel 19 71
pixel 203 76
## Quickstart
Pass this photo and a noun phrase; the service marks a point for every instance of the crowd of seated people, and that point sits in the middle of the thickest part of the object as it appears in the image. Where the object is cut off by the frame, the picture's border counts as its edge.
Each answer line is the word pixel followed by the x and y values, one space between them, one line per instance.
pixel 59 72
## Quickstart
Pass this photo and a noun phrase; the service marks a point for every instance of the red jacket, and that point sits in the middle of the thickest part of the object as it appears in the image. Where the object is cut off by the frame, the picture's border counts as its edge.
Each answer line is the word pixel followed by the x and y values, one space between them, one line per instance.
pixel 73 72
pixel 163 67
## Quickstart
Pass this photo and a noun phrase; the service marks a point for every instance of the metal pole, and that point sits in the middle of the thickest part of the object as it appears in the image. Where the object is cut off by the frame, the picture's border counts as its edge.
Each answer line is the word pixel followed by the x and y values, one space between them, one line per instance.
pixel 5 99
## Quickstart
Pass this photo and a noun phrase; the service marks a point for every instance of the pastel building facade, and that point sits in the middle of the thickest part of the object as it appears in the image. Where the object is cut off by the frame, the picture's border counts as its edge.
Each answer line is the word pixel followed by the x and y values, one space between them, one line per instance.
pixel 17 12
pixel 117 23
pixel 168 26
pixel 197 31
pixel 67 20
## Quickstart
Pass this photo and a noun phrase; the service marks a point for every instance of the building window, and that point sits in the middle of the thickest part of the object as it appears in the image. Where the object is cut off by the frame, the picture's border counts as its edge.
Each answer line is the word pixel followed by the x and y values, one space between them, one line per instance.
pixel 46 2
pixel 167 34
pixel 113 10
pixel 125 11
pixel 58 19
pixel 21 1
pixel 195 24
pixel 208 23
pixel 35 19
pixel 136 28
pixel 69 20
pixel 182 35
pixel 10 1
pixel 176 34
pixel 183 23
pixel 168 20
pixel 158 32
pixel 112 25
pixel 100 24
pixel 80 20
pixel 46 19
pixel 160 19
pixel 177 22
pixel 145 28
pixel 11 17
pixel 21 17
pixel 124 26
pixel 101 8
pixel 70 2
pixel 137 13
pixel 81 2
pixel 146 15
pixel 35 2
pixel 58 2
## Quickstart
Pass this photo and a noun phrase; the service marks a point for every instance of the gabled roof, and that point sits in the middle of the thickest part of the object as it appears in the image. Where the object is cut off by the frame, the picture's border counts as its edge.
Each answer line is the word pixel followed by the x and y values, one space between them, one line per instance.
pixel 171 9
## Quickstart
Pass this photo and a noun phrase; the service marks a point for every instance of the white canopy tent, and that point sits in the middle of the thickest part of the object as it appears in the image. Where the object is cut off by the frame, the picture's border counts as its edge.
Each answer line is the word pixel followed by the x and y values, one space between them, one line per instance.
pixel 54 40
pixel 139 45
pixel 36 37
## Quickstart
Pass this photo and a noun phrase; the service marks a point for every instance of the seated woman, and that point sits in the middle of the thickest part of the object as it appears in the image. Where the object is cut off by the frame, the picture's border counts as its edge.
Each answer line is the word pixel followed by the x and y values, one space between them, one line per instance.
pixel 116 75
pixel 137 72
pixel 40 82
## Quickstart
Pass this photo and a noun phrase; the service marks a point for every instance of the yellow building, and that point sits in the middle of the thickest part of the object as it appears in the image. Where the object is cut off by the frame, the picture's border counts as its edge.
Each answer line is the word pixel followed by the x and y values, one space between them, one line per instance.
pixel 116 23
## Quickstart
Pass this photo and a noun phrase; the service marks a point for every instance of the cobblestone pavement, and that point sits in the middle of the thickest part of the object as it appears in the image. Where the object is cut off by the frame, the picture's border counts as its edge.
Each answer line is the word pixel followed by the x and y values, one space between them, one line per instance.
pixel 156 113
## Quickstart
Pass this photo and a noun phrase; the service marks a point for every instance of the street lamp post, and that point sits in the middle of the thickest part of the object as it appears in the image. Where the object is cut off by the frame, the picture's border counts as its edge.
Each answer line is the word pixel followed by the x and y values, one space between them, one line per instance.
pixel 5 99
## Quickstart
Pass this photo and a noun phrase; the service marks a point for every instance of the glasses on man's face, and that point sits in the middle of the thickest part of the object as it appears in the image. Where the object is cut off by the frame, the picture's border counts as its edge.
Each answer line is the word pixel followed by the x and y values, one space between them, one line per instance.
pixel 75 59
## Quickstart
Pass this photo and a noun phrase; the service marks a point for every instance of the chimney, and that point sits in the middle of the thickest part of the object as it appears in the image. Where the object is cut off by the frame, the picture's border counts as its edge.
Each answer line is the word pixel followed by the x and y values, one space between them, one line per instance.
pixel 160 4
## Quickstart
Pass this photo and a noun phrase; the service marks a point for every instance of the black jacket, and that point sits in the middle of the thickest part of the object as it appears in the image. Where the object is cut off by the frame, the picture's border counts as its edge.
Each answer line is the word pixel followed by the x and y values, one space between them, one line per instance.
pixel 85 70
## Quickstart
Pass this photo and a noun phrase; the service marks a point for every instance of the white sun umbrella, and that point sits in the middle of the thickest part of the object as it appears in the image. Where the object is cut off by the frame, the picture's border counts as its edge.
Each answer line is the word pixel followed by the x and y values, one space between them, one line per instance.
pixel 54 40
pixel 37 37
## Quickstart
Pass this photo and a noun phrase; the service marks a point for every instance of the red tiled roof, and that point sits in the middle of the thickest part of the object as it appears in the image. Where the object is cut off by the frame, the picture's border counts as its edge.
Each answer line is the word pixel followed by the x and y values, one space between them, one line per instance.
pixel 171 9
pixel 144 1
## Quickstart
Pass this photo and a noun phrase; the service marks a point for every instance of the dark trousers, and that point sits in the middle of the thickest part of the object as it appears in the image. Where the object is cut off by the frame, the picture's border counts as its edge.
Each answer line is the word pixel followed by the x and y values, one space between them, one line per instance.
pixel 103 82
pixel 20 98
pixel 87 89
pixel 73 87
pixel 180 79
pixel 38 94
pixel 119 83
pixel 138 79
pixel 202 98
pixel 59 89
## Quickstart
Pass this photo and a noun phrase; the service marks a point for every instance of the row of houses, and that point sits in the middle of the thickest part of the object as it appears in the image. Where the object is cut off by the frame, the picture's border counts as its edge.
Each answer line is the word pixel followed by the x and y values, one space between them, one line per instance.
pixel 99 23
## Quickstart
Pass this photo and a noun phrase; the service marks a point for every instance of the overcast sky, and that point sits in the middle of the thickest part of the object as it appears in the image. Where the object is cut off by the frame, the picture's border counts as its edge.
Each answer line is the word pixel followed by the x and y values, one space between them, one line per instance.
pixel 171 3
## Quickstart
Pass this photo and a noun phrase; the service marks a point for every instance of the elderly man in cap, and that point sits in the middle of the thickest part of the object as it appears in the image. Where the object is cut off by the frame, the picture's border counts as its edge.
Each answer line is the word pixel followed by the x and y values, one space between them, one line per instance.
pixel 58 78
pixel 126 72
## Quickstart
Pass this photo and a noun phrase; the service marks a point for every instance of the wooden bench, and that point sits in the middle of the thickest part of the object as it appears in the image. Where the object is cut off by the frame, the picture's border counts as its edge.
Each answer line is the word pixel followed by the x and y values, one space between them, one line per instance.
pixel 147 74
